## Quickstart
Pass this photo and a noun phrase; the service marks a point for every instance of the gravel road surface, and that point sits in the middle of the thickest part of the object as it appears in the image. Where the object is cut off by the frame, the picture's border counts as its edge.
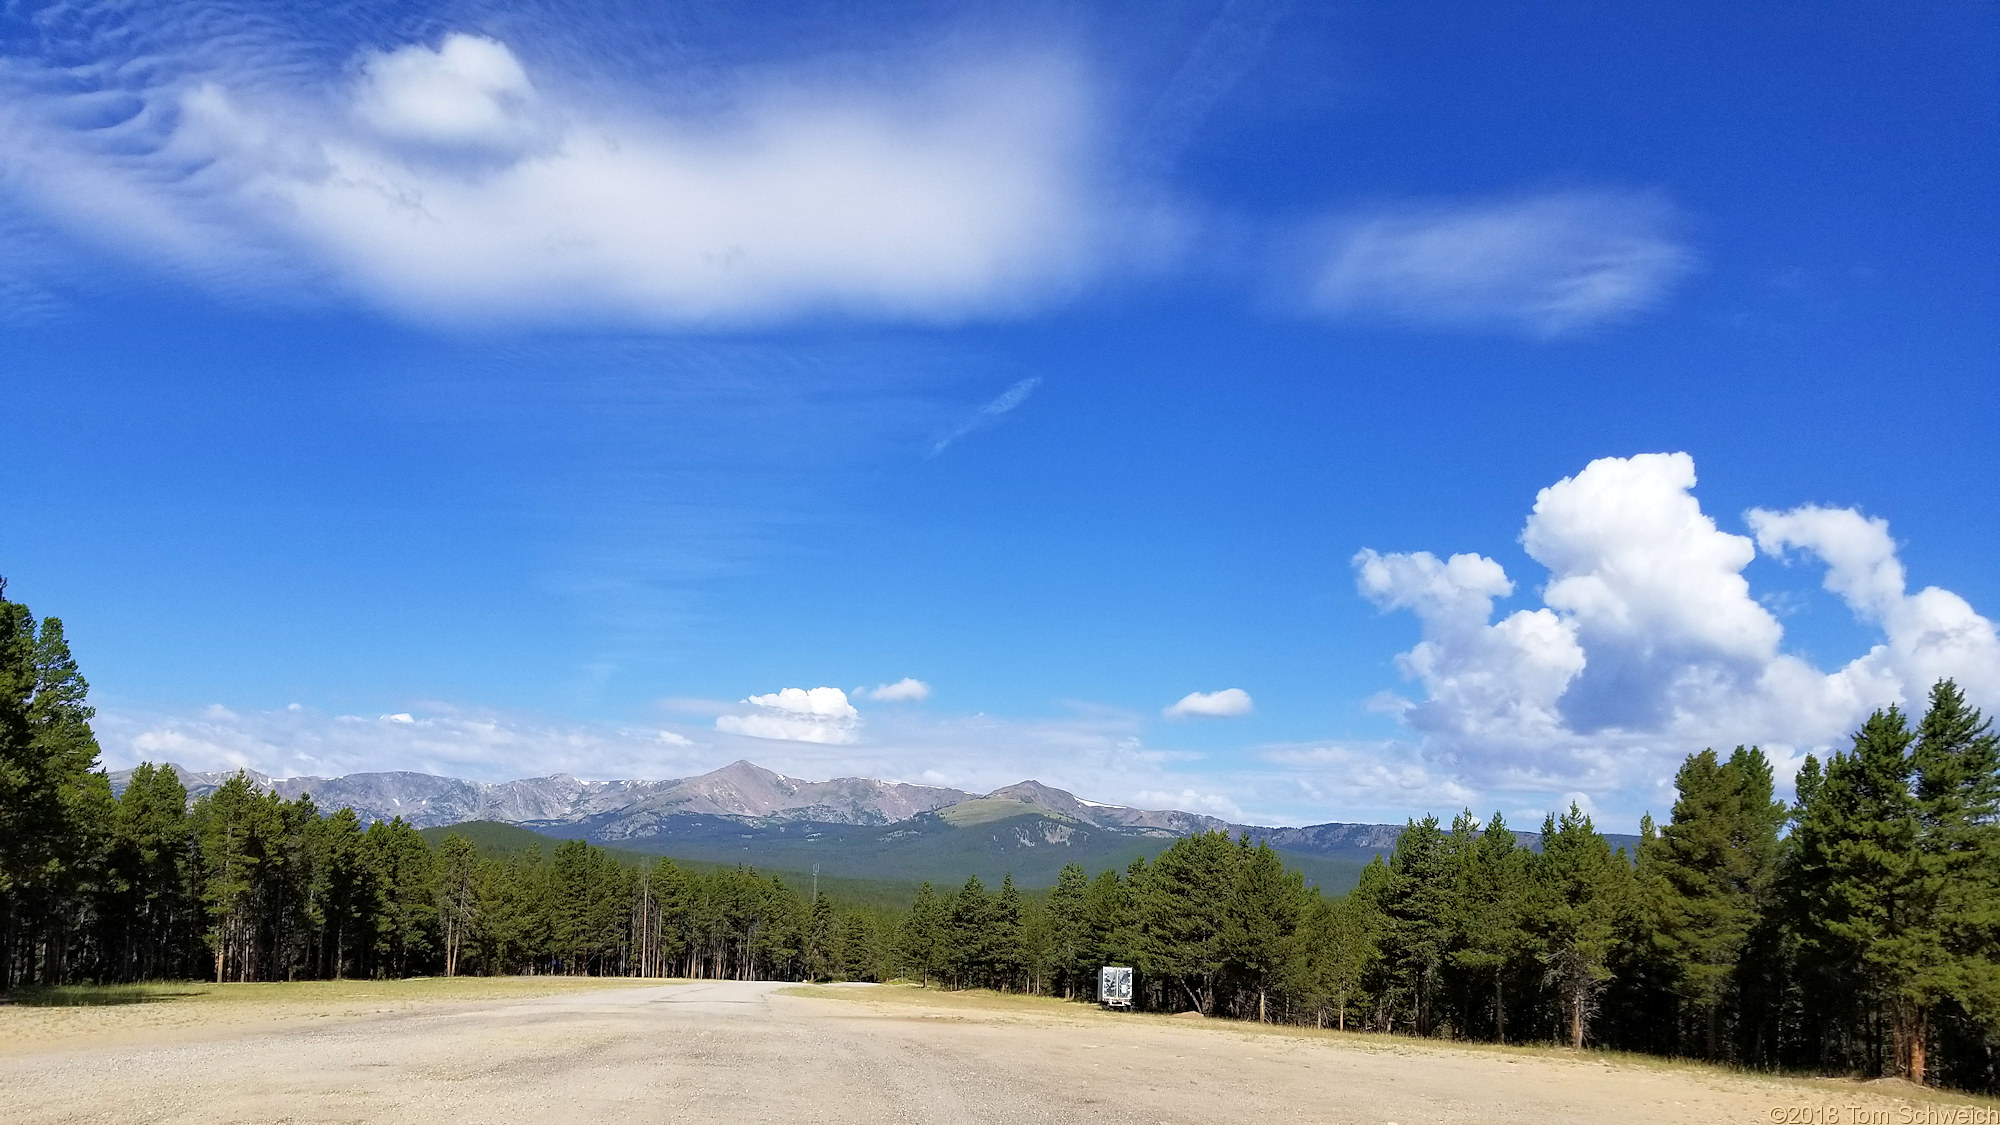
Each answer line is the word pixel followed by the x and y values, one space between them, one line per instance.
pixel 746 1052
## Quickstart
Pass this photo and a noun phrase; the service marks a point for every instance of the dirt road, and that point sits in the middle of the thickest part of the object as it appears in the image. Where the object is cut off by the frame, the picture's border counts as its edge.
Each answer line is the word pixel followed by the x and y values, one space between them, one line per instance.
pixel 749 1052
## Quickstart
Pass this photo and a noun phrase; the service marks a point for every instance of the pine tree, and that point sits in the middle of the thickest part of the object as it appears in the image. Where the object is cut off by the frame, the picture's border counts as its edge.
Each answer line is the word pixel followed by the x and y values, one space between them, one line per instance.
pixel 1110 926
pixel 348 896
pixel 1007 954
pixel 922 939
pixel 150 863
pixel 405 876
pixel 294 916
pixel 1068 933
pixel 1370 891
pixel 1856 851
pixel 819 948
pixel 1581 888
pixel 1183 911
pixel 1712 862
pixel 1952 943
pixel 55 808
pixel 457 896
pixel 1492 940
pixel 1037 948
pixel 1418 902
pixel 233 827
pixel 1262 920
pixel 862 953
pixel 968 932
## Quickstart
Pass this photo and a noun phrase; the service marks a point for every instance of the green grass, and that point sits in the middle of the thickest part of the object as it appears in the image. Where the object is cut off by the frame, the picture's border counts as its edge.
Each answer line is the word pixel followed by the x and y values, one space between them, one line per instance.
pixel 38 1018
pixel 986 810
pixel 96 995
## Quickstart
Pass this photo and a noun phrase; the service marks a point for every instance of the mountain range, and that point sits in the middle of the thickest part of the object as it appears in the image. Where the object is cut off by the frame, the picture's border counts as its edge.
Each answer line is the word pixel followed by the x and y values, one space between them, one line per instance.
pixel 860 826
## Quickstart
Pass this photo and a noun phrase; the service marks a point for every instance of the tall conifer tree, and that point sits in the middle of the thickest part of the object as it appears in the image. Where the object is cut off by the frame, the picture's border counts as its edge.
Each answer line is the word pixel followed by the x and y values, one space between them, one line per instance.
pixel 1582 887
pixel 1492 892
pixel 1419 901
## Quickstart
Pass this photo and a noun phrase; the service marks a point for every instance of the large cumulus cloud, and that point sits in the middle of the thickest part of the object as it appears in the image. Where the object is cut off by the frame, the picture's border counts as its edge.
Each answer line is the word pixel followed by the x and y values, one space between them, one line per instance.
pixel 1649 641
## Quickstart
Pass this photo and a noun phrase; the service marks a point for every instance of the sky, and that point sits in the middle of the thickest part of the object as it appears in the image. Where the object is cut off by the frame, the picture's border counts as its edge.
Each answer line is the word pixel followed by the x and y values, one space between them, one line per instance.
pixel 1295 413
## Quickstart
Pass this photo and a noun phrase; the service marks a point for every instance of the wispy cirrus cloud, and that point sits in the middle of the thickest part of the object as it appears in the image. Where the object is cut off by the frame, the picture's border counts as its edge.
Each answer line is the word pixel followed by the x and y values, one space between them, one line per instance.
pixel 480 744
pixel 1225 53
pixel 447 179
pixel 1544 264
pixel 1008 401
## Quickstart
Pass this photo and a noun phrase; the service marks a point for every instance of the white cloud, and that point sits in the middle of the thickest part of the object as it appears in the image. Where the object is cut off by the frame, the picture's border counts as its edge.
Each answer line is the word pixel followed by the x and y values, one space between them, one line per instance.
pixel 906 690
pixel 819 702
pixel 400 717
pixel 820 714
pixel 1382 779
pixel 1930 635
pixel 480 745
pixel 1225 704
pixel 1095 753
pixel 1544 264
pixel 1649 643
pixel 1190 800
pixel 450 182
pixel 1479 677
pixel 469 93
pixel 1653 589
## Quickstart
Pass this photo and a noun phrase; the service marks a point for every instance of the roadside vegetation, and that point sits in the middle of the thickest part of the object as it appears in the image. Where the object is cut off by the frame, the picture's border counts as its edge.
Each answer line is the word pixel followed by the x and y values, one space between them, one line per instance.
pixel 1855 932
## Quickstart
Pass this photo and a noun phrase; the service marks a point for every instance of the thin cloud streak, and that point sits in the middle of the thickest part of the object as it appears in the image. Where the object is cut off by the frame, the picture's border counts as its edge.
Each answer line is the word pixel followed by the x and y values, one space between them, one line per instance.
pixel 992 412
pixel 1228 50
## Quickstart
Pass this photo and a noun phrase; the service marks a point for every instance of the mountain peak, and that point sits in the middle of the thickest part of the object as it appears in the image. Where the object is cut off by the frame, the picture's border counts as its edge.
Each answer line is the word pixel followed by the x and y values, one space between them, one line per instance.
pixel 1107 816
pixel 743 768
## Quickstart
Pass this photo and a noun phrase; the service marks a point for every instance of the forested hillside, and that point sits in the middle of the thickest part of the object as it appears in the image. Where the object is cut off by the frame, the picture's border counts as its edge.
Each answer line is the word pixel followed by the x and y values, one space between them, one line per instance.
pixel 1856 931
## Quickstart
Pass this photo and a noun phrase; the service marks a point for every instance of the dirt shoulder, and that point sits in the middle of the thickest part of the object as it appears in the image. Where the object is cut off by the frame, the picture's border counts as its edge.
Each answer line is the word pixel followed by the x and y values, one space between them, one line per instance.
pixel 181 1011
pixel 1628 1080
pixel 529 1051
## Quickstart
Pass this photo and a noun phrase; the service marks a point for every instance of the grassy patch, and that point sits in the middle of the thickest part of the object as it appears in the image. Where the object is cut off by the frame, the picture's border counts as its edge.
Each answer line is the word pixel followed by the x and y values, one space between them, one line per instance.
pixel 1014 1004
pixel 39 1018
pixel 986 810
pixel 96 995
pixel 305 991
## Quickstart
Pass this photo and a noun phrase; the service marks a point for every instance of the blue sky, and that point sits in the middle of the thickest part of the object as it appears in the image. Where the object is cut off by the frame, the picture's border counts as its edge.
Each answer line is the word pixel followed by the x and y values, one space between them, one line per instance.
pixel 502 389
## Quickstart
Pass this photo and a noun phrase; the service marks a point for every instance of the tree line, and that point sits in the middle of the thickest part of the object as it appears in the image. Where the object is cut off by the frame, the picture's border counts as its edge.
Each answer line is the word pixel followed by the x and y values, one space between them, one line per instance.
pixel 241 885
pixel 1856 930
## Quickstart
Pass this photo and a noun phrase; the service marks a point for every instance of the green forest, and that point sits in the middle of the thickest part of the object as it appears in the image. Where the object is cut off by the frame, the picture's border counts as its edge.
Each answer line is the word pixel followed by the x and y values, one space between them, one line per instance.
pixel 1856 931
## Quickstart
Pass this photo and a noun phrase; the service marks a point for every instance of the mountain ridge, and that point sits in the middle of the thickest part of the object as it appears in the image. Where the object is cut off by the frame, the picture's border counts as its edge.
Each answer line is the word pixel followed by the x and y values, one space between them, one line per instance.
pixel 740 789
pixel 743 812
